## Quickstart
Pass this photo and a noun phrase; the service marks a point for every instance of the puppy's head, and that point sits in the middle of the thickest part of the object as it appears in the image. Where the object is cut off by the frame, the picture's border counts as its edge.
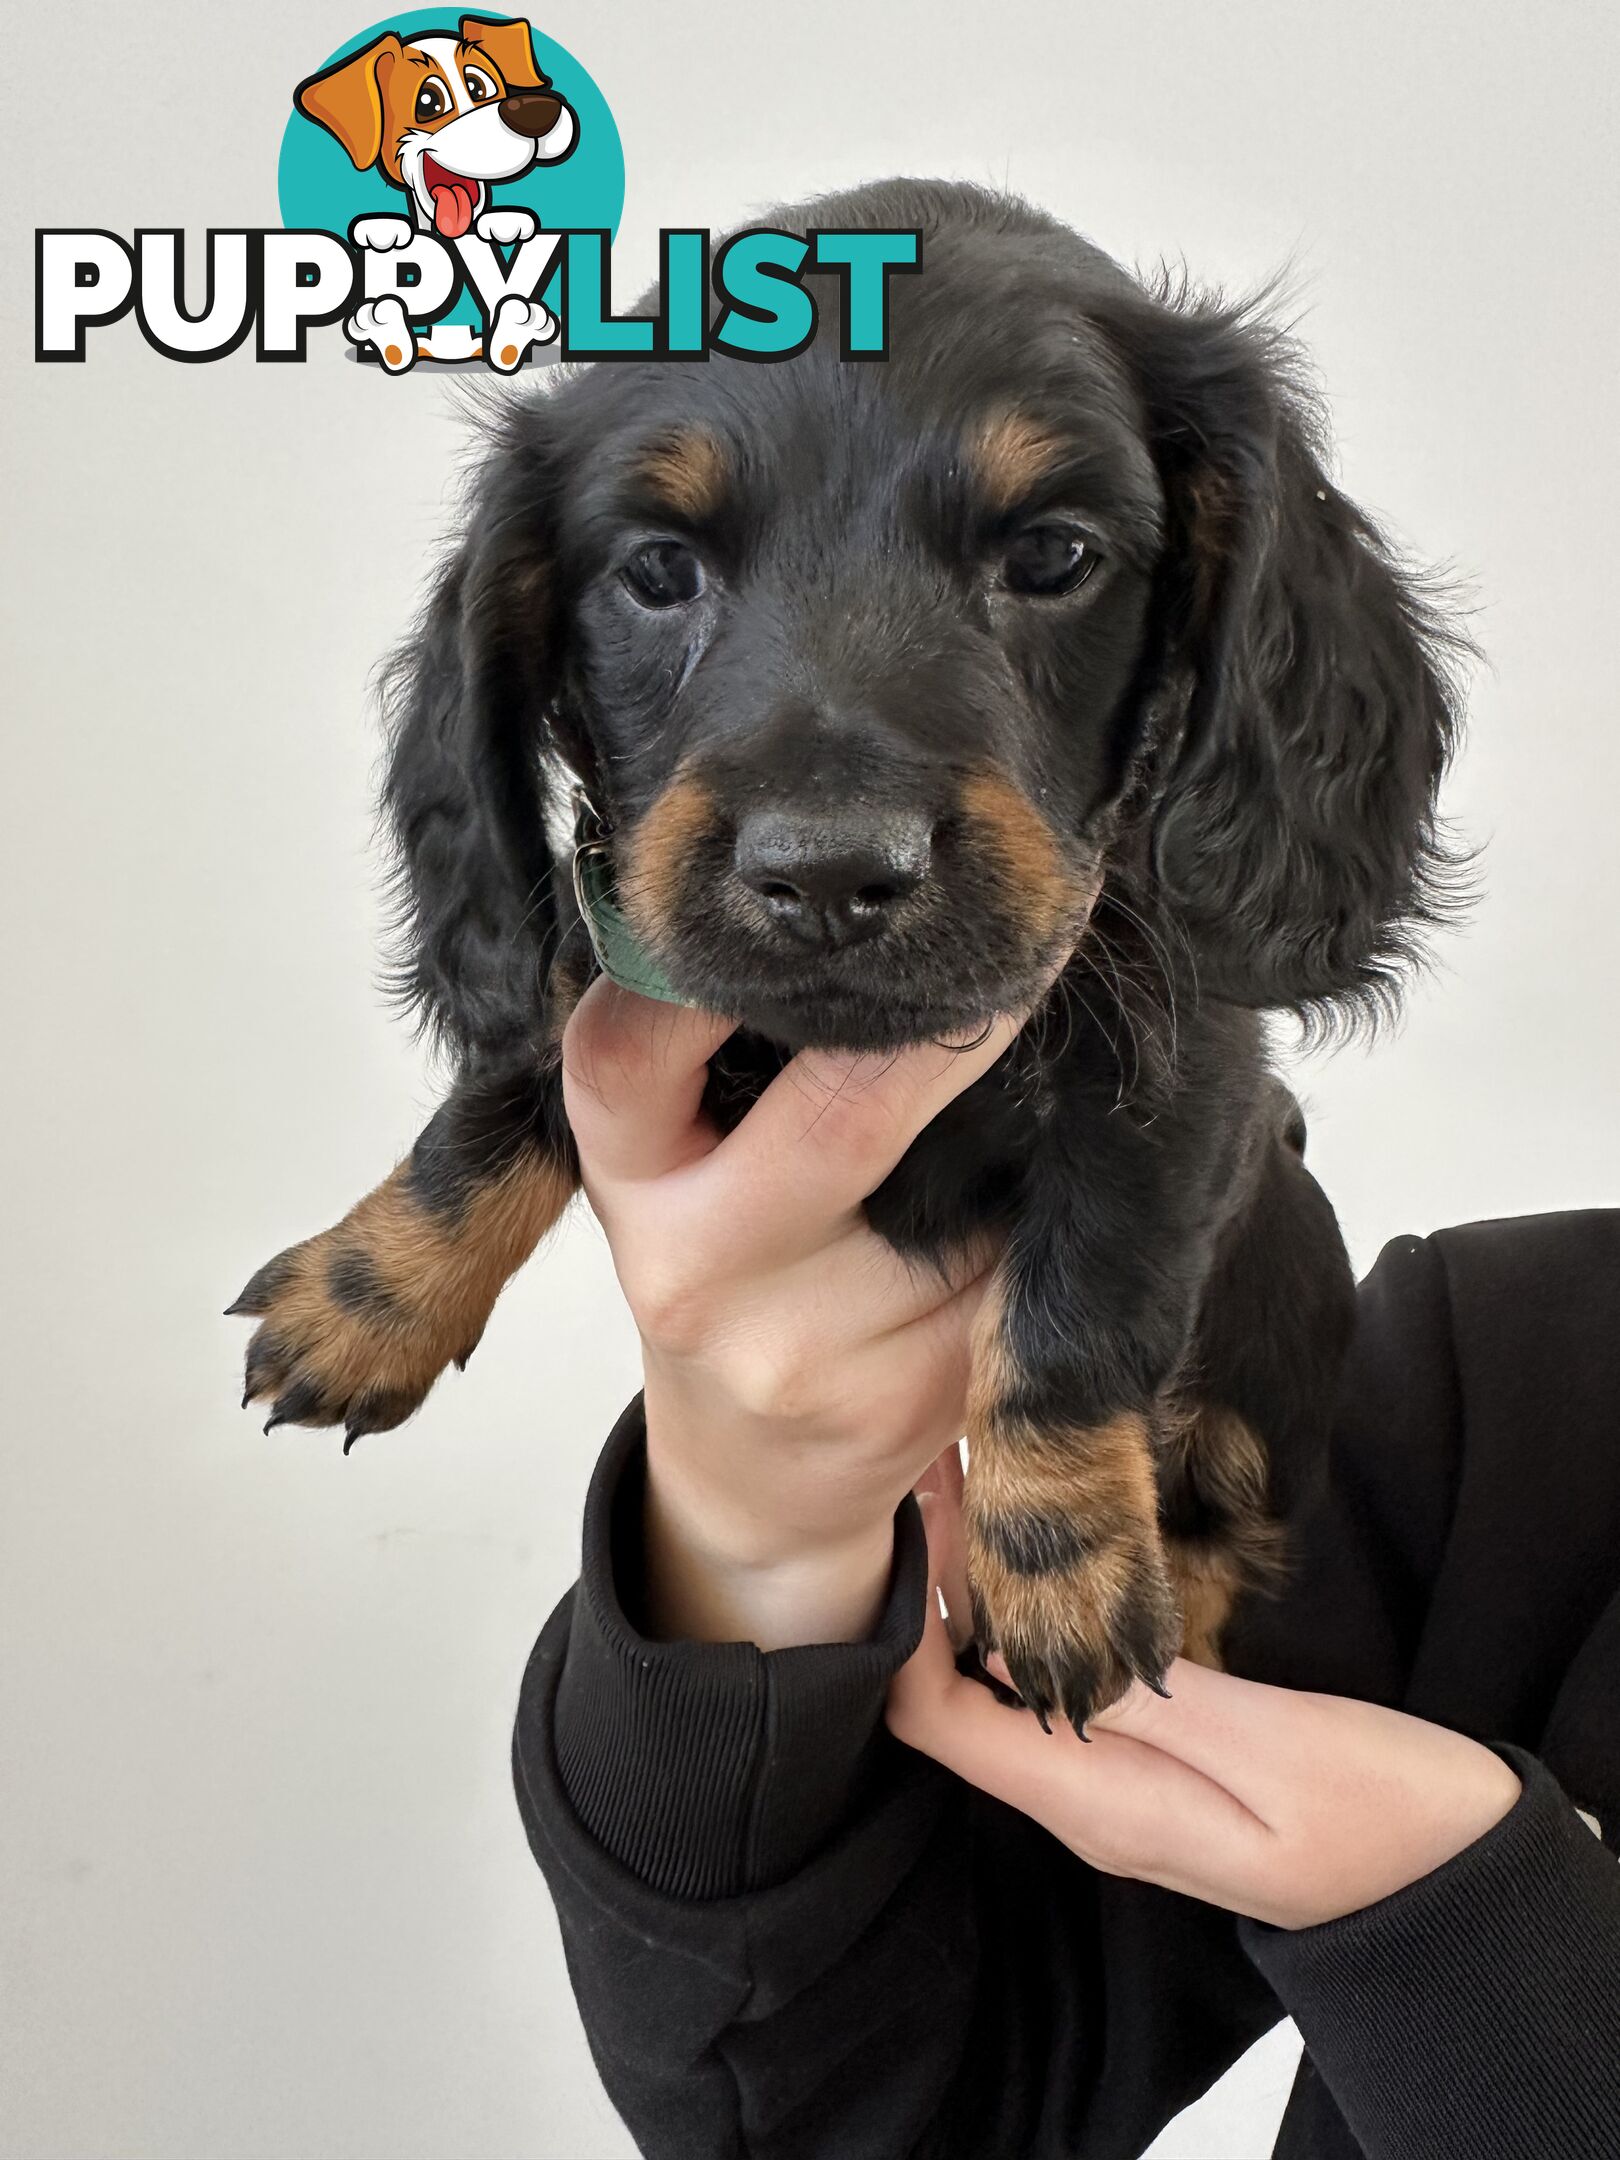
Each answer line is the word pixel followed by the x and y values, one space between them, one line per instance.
pixel 443 116
pixel 878 670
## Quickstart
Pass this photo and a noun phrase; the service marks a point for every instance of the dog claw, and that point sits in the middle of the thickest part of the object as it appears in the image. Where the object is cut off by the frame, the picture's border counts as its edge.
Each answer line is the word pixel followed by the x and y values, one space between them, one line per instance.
pixel 258 1294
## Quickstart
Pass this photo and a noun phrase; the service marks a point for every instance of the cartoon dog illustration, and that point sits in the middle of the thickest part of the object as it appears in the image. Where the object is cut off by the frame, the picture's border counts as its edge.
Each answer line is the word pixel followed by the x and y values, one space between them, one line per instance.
pixel 443 119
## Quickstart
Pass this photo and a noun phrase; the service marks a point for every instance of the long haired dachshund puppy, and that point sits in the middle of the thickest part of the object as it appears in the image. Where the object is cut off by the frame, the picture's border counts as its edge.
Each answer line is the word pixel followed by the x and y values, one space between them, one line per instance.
pixel 891 684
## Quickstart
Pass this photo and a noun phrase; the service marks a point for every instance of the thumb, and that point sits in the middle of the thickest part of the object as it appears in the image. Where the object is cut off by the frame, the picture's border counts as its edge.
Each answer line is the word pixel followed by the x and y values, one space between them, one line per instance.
pixel 939 1494
pixel 939 1711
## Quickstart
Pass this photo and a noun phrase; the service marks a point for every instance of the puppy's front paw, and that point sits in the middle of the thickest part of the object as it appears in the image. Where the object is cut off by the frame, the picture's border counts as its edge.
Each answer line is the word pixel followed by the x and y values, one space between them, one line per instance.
pixel 506 228
pixel 336 1344
pixel 1076 1598
pixel 358 1323
pixel 379 235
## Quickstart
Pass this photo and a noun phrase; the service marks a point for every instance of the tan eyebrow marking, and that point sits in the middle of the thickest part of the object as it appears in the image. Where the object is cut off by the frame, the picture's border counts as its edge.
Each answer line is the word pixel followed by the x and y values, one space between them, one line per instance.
pixel 1007 455
pixel 688 472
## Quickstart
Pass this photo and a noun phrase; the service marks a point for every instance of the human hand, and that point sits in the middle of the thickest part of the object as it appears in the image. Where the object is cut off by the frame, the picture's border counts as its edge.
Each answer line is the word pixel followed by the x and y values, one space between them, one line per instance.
pixel 1290 1808
pixel 800 1376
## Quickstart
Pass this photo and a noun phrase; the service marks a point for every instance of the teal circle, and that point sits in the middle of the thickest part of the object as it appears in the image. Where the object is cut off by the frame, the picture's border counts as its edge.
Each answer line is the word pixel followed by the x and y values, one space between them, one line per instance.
pixel 319 189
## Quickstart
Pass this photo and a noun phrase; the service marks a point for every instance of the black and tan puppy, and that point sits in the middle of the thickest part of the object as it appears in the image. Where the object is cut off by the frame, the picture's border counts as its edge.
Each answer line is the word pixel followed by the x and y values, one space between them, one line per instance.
pixel 892 683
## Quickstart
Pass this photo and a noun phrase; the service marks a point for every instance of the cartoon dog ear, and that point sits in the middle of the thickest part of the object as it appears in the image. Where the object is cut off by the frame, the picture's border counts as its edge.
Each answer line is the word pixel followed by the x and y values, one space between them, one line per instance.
pixel 467 699
pixel 1295 832
pixel 510 46
pixel 346 100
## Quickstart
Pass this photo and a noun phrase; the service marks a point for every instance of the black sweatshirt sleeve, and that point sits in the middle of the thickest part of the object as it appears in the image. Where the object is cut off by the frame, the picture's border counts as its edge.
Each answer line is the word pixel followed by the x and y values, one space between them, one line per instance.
pixel 790 1936
pixel 1475 2011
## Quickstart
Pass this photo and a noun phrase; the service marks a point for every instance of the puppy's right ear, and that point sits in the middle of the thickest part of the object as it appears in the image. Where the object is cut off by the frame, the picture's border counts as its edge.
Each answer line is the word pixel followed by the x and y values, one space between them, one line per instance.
pixel 467 700
pixel 347 100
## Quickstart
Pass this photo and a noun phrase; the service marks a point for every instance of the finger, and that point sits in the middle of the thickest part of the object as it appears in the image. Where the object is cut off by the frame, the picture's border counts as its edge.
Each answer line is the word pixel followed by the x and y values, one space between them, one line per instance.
pixel 930 1670
pixel 830 1127
pixel 942 1482
pixel 633 1077
pixel 1123 1806
pixel 1210 1720
pixel 1265 1745
pixel 891 1292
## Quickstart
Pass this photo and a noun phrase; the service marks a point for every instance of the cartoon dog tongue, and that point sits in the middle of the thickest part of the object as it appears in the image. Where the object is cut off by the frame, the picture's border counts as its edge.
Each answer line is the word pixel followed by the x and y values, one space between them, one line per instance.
pixel 454 200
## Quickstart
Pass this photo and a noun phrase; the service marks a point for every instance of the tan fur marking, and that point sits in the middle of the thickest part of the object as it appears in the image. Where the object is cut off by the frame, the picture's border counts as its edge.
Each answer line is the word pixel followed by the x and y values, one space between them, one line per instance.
pixel 1221 1456
pixel 1100 1479
pixel 1206 1582
pixel 654 857
pixel 688 473
pixel 1009 454
pixel 565 986
pixel 1025 851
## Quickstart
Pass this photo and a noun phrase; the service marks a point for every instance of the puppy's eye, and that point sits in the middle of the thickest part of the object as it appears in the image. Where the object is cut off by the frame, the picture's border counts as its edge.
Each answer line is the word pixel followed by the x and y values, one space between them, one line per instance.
pixel 431 101
pixel 663 573
pixel 1051 557
pixel 479 87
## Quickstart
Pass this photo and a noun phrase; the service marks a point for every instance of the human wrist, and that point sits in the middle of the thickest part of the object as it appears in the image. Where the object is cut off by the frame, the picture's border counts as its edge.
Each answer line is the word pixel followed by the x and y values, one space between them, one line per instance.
pixel 731 1558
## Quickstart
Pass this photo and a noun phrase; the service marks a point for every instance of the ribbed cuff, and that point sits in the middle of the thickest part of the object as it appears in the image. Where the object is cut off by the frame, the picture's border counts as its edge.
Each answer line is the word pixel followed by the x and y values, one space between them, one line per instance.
pixel 713 1769
pixel 1472 2011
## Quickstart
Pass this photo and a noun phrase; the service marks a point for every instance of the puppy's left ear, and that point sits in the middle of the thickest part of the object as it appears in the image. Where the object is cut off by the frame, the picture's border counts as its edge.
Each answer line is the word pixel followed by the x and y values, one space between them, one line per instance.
pixel 511 48
pixel 346 99
pixel 469 699
pixel 1296 830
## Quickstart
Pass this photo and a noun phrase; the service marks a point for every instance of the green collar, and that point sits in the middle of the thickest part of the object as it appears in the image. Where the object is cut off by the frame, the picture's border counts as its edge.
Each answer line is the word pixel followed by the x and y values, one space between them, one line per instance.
pixel 621 958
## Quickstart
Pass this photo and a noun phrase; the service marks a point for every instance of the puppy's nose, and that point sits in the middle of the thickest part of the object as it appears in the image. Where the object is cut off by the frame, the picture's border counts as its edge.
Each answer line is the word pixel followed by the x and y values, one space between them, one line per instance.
pixel 531 112
pixel 831 880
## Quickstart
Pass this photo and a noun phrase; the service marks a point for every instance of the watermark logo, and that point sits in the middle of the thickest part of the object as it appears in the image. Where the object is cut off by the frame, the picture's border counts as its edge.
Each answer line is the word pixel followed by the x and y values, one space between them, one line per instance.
pixel 450 187
pixel 461 151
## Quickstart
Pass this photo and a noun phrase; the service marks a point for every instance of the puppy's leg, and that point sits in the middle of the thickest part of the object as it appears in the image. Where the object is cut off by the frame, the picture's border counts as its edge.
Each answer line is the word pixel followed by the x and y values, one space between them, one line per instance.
pixel 1065 1560
pixel 1248 1431
pixel 357 1323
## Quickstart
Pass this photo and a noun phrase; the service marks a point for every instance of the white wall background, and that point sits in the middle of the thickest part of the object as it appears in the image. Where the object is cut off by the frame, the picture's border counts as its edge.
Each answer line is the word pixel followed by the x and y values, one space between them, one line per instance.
pixel 266 1896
